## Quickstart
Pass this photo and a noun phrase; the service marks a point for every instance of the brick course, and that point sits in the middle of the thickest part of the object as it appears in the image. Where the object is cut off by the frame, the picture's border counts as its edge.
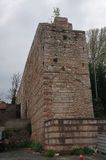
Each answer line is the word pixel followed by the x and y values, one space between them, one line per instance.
pixel 64 134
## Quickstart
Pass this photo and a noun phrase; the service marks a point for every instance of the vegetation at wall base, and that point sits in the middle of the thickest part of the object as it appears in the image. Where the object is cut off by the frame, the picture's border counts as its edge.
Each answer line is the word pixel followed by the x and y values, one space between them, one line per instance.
pixel 84 151
pixel 50 153
pixel 23 145
pixel 37 147
pixel 15 139
pixel 18 146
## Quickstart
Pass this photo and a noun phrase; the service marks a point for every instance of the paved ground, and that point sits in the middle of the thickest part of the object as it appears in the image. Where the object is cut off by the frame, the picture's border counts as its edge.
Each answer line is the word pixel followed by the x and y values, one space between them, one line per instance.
pixel 28 155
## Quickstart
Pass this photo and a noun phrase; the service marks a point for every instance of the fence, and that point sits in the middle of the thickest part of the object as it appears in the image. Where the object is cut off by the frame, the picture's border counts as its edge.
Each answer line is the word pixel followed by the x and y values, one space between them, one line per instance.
pixel 101 143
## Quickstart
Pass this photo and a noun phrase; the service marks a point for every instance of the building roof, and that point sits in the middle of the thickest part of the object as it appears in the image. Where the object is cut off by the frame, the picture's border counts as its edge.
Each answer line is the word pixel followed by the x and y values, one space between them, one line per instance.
pixel 2 105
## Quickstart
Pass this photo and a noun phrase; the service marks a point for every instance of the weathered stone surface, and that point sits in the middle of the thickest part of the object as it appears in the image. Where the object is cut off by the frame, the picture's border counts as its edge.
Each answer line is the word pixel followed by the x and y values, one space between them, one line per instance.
pixel 55 83
pixel 69 133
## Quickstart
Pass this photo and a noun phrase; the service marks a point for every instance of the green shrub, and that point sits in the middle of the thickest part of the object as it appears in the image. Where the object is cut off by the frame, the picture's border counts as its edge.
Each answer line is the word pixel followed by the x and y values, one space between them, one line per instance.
pixel 77 151
pixel 88 150
pixel 37 147
pixel 23 145
pixel 85 151
pixel 50 153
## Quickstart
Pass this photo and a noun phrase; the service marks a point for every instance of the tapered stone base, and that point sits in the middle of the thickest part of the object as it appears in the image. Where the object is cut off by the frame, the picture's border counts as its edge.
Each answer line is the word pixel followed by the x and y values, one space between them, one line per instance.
pixel 64 134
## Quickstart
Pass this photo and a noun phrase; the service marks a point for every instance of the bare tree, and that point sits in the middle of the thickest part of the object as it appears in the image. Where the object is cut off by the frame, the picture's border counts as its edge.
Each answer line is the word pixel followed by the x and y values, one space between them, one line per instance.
pixel 2 97
pixel 14 87
pixel 96 44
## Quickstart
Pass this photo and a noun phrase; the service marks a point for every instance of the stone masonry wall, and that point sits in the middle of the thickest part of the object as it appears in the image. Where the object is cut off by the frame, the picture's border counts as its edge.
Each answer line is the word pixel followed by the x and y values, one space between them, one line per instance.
pixel 30 94
pixel 64 134
pixel 55 83
pixel 67 91
pixel 7 112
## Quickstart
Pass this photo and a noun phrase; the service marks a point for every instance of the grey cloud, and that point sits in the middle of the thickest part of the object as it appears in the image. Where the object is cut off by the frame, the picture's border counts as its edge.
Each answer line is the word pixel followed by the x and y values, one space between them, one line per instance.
pixel 17 33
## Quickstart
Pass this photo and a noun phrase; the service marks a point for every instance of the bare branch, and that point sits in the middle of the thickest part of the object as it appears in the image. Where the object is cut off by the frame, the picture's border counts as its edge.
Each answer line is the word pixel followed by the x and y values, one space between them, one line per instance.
pixel 15 82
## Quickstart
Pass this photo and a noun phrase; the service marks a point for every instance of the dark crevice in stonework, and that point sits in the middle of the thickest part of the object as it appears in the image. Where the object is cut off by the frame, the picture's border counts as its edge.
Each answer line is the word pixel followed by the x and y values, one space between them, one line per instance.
pixel 55 60
pixel 78 80
pixel 63 68
pixel 64 37
pixel 75 38
pixel 82 64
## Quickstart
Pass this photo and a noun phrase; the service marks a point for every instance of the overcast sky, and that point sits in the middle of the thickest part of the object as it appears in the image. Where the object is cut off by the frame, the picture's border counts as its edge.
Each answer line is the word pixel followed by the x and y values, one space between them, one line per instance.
pixel 18 22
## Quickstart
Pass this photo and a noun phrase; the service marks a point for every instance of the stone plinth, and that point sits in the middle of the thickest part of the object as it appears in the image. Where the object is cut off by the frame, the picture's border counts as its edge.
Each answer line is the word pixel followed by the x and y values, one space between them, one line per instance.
pixel 64 134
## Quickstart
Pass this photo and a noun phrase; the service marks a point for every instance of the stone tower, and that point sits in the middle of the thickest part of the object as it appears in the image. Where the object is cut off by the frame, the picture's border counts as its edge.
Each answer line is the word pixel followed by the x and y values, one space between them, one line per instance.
pixel 55 83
